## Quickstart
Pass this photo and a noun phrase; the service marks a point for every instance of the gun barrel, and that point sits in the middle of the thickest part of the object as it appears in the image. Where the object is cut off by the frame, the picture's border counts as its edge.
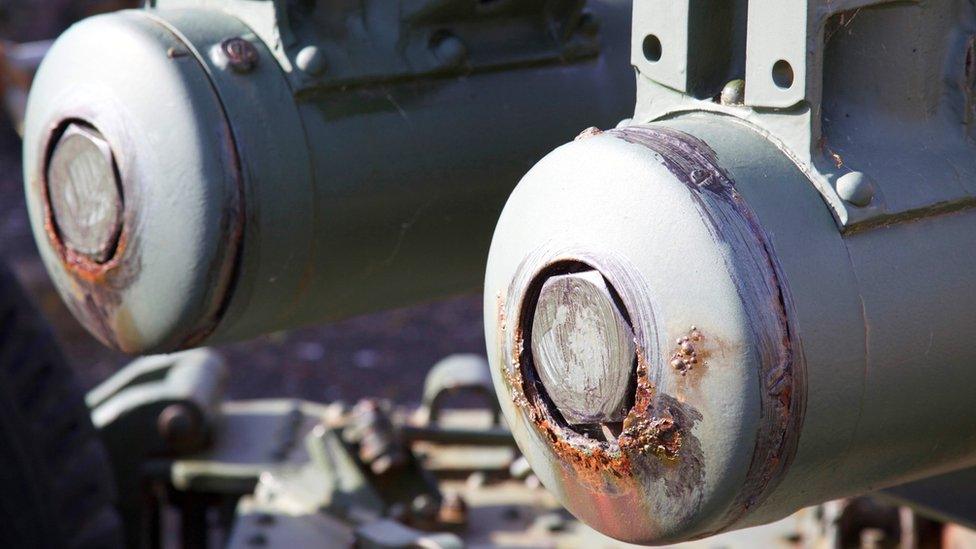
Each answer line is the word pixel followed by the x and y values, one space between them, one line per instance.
pixel 775 362
pixel 190 179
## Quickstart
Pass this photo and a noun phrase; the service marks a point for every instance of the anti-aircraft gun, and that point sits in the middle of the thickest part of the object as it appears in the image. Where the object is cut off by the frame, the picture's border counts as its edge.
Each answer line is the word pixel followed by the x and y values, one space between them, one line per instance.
pixel 753 294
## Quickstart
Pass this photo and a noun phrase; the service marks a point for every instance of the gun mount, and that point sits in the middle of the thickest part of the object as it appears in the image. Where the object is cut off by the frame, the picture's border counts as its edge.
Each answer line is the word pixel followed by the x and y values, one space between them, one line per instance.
pixel 754 295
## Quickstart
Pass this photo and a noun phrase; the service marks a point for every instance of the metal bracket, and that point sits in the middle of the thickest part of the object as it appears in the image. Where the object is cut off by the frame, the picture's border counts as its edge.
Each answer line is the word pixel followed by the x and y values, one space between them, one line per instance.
pixel 467 373
pixel 164 404
pixel 859 93
pixel 324 46
pixel 158 407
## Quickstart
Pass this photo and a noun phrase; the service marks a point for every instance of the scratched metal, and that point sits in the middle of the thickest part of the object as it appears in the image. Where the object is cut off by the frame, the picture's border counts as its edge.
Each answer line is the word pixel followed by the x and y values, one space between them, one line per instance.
pixel 761 289
pixel 583 348
pixel 649 481
pixel 265 207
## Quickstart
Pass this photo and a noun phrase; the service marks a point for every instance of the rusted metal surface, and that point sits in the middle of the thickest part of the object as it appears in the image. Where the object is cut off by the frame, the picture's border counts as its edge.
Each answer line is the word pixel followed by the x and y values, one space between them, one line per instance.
pixel 98 287
pixel 688 354
pixel 303 145
pixel 583 348
pixel 660 475
pixel 89 299
pixel 107 294
pixel 84 194
pixel 761 287
pixel 653 443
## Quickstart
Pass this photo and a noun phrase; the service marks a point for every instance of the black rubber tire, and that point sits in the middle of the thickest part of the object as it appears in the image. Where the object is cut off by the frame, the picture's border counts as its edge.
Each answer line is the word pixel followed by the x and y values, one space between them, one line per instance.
pixel 56 489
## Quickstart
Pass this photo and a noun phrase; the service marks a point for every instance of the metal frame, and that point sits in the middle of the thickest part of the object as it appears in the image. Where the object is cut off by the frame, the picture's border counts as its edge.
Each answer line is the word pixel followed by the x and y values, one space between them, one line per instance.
pixel 878 89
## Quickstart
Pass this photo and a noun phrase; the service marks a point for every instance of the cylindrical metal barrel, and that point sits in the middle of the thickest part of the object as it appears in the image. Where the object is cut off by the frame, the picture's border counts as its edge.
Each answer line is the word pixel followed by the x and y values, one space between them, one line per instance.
pixel 773 362
pixel 184 189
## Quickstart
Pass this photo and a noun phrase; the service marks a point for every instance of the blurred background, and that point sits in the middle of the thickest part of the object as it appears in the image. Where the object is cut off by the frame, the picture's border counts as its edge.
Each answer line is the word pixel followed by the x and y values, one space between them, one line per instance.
pixel 384 354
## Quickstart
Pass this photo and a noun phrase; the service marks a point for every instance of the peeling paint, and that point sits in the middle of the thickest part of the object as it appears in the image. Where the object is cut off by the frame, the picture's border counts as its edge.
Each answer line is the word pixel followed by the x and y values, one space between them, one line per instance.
pixel 767 303
pixel 655 441
pixel 644 478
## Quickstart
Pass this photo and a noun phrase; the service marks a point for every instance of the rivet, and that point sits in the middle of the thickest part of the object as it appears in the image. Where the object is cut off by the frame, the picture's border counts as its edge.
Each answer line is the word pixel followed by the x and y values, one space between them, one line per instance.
pixel 856 188
pixel 449 50
pixel 311 61
pixel 734 93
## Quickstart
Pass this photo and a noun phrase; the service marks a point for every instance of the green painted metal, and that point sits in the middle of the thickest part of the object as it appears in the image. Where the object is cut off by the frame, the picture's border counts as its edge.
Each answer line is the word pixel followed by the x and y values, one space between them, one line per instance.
pixel 297 187
pixel 846 109
pixel 287 473
pixel 121 300
pixel 803 235
pixel 157 408
pixel 454 375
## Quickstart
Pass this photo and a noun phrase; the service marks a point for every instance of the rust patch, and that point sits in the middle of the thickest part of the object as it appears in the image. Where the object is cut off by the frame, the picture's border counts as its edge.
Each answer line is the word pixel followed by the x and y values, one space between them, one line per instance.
pixel 94 291
pixel 78 264
pixel 644 430
pixel 592 131
pixel 827 151
pixel 95 286
pixel 241 54
pixel 589 457
pixel 690 352
pixel 651 465
pixel 655 429
pixel 732 221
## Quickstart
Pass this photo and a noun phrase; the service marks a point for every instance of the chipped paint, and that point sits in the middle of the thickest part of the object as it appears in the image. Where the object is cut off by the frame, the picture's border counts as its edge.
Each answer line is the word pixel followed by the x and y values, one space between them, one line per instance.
pixel 95 291
pixel 655 443
pixel 654 427
pixel 644 479
pixel 592 131
pixel 767 303
pixel 689 353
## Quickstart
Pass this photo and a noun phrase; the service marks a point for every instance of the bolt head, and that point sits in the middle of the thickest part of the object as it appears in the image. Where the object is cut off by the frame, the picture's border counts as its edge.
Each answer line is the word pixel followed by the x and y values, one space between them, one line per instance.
pixel 311 61
pixel 181 427
pixel 84 193
pixel 583 348
pixel 449 50
pixel 241 54
pixel 856 188
pixel 734 93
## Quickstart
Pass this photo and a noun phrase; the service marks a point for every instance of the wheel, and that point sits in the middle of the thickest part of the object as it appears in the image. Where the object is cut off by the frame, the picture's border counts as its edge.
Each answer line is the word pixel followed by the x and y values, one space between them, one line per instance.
pixel 56 489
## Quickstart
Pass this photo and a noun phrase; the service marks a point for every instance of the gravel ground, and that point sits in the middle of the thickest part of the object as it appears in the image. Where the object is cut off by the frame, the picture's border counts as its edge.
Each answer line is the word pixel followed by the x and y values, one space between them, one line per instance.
pixel 384 354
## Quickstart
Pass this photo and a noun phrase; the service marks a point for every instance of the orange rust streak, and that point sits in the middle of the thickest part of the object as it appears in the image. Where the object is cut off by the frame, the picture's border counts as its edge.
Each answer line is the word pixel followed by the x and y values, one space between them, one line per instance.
pixel 591 459
pixel 84 268
pixel 642 432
